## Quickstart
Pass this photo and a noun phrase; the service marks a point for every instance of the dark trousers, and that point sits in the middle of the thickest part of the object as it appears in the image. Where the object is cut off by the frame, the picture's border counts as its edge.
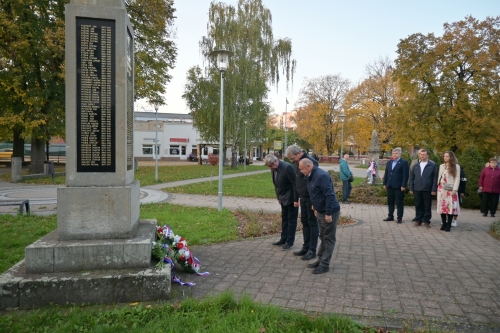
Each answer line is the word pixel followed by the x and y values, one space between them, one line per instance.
pixel 489 202
pixel 288 223
pixel 346 190
pixel 395 195
pixel 423 203
pixel 310 228
pixel 327 234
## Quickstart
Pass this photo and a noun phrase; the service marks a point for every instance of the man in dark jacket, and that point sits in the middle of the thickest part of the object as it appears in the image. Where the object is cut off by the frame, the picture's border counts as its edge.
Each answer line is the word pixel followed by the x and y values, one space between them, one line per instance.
pixel 327 210
pixel 423 185
pixel 284 185
pixel 309 222
pixel 395 181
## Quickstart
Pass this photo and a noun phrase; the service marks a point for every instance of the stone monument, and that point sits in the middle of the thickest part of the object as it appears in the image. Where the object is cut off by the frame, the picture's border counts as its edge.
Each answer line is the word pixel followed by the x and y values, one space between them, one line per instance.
pixel 374 151
pixel 98 227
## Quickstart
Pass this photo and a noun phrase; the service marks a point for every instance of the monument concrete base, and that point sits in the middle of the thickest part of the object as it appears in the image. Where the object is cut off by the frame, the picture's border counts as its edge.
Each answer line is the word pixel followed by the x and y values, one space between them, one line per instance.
pixel 19 289
pixel 106 212
pixel 51 255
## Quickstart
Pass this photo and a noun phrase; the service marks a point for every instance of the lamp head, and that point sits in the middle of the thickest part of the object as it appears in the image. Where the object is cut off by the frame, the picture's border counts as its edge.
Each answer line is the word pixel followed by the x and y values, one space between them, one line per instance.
pixel 222 57
pixel 156 103
pixel 342 117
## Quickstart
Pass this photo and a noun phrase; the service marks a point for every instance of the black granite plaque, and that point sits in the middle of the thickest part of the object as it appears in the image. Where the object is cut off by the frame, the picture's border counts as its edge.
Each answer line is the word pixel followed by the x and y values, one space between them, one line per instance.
pixel 95 52
pixel 130 101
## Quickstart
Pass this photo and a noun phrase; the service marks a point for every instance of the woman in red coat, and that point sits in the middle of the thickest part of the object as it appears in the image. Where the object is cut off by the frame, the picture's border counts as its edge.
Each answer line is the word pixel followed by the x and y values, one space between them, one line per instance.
pixel 489 184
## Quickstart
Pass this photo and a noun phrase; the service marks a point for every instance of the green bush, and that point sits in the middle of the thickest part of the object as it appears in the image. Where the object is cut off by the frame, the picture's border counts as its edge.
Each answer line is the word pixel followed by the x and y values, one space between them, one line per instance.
pixel 473 164
pixel 495 229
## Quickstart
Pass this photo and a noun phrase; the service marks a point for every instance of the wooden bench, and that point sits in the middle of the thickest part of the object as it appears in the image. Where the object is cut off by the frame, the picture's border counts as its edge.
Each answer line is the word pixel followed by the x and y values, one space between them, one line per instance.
pixel 21 203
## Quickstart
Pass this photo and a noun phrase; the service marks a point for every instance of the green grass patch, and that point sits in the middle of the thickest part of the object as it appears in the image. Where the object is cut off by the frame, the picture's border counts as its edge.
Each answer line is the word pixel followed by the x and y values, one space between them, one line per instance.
pixel 361 166
pixel 146 174
pixel 198 225
pixel 495 229
pixel 221 313
pixel 255 186
pixel 17 232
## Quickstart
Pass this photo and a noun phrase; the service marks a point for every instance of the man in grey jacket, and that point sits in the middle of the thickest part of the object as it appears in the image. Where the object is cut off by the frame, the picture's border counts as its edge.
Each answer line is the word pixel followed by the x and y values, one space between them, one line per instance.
pixel 423 185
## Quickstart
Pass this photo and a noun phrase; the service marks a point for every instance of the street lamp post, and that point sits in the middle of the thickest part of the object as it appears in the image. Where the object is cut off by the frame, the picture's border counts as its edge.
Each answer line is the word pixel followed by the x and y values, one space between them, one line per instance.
pixel 222 63
pixel 245 150
pixel 156 104
pixel 342 117
pixel 286 128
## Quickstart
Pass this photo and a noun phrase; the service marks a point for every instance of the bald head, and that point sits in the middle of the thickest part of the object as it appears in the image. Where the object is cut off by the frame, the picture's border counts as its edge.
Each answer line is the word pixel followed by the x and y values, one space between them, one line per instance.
pixel 306 166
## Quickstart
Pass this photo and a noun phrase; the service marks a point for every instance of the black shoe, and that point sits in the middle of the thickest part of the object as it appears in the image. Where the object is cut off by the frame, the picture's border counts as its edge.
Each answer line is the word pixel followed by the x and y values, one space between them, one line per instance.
pixel 443 226
pixel 389 219
pixel 280 242
pixel 301 252
pixel 414 219
pixel 346 202
pixel 286 247
pixel 321 270
pixel 400 220
pixel 313 265
pixel 485 214
pixel 310 255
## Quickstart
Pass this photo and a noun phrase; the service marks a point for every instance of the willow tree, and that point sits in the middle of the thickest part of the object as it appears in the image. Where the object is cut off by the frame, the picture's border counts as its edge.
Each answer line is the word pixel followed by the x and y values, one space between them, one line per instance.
pixel 32 72
pixel 321 102
pixel 450 82
pixel 259 60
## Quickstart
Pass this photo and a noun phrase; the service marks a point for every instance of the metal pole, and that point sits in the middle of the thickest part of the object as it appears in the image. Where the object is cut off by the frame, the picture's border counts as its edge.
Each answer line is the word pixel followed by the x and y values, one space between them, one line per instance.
pixel 342 141
pixel 286 128
pixel 221 137
pixel 156 148
pixel 245 150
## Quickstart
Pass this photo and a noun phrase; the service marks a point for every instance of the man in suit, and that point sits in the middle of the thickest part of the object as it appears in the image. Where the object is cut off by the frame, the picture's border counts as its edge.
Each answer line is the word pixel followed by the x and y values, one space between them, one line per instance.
pixel 310 228
pixel 395 181
pixel 423 185
pixel 284 184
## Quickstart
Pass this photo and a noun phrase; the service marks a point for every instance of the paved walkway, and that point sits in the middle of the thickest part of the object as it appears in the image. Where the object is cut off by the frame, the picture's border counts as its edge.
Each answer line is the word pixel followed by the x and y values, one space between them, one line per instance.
pixel 382 273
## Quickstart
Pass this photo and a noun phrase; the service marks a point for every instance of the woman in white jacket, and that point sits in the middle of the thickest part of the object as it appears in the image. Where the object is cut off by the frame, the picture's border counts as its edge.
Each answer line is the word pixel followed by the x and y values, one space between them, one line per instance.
pixel 447 192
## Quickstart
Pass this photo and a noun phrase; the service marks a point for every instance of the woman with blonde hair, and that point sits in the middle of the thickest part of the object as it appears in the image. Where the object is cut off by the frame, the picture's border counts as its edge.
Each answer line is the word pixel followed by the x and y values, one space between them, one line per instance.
pixel 447 193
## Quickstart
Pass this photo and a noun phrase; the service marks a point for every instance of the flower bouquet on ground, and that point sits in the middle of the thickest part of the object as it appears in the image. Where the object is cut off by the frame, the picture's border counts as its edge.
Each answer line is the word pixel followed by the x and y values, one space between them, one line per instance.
pixel 169 248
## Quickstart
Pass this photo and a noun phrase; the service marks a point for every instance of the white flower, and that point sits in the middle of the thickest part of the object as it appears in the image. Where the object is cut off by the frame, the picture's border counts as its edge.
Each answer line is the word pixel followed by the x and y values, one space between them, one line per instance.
pixel 154 243
pixel 177 238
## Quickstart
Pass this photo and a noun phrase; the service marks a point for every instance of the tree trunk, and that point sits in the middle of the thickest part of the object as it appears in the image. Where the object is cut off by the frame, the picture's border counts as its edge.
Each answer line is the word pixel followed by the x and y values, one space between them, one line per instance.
pixel 37 156
pixel 18 145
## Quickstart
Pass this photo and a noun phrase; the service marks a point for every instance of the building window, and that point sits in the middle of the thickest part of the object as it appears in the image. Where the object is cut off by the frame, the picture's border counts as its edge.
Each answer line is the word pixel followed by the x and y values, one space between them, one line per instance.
pixel 174 150
pixel 148 149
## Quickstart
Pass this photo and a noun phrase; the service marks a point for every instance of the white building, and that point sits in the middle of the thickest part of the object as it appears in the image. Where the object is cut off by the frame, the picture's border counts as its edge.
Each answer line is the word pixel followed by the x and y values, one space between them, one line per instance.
pixel 177 138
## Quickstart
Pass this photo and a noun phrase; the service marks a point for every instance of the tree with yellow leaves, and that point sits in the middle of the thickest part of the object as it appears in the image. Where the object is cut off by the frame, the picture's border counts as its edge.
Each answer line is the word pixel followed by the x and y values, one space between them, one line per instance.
pixel 317 117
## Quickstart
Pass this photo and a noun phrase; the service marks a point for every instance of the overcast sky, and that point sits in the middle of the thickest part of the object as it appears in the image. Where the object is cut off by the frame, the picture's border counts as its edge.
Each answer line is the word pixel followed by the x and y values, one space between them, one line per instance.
pixel 328 36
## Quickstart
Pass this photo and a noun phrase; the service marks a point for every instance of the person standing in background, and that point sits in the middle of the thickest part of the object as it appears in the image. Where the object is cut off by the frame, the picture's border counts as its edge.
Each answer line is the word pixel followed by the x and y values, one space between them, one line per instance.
pixel 345 173
pixel 423 185
pixel 372 170
pixel 448 183
pixel 489 184
pixel 395 181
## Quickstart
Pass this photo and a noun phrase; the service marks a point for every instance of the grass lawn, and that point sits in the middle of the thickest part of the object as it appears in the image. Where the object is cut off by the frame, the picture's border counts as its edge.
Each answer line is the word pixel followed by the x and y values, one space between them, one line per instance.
pixel 146 174
pixel 222 313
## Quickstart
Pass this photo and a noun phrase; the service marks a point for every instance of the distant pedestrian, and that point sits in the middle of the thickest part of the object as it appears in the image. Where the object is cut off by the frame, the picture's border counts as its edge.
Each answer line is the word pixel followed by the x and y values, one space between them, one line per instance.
pixel 308 219
pixel 372 170
pixel 327 210
pixel 489 184
pixel 345 174
pixel 447 195
pixel 395 181
pixel 284 185
pixel 423 185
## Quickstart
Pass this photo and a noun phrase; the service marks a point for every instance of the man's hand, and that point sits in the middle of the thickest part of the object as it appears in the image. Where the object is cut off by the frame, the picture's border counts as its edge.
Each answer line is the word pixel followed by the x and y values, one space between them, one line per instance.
pixel 328 218
pixel 411 192
pixel 402 189
pixel 385 187
pixel 433 193
pixel 296 204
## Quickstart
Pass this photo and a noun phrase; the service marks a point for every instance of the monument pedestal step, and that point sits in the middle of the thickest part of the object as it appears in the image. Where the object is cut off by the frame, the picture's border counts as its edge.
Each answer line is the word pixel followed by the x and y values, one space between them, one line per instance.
pixel 26 291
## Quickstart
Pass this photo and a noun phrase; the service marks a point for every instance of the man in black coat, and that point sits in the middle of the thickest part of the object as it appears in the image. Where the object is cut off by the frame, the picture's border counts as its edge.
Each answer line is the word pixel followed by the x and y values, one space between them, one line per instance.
pixel 284 184
pixel 423 185
pixel 395 181
pixel 310 229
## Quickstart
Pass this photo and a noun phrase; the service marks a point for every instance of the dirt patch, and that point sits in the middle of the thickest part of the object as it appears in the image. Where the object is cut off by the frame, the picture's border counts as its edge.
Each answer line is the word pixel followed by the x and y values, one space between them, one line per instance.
pixel 256 224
